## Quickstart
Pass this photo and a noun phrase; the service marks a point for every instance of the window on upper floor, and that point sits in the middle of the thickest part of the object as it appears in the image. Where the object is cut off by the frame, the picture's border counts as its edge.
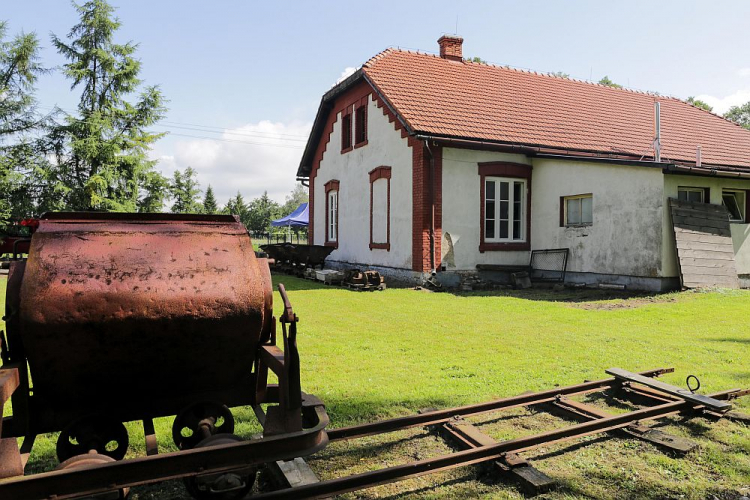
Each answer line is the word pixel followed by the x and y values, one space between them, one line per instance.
pixel 346 132
pixel 504 209
pixel 735 203
pixel 694 194
pixel 578 210
pixel 360 125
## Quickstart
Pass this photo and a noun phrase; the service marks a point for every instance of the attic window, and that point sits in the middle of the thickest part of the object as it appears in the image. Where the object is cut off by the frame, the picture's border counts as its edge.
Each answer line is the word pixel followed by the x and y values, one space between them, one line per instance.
pixel 346 133
pixel 360 126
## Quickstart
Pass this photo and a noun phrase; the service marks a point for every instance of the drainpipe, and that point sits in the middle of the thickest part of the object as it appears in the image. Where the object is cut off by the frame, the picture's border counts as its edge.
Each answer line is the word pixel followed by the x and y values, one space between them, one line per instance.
pixel 432 207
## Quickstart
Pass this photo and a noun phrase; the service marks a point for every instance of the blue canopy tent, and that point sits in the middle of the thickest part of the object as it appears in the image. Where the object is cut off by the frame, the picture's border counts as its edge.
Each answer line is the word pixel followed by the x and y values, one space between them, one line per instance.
pixel 299 218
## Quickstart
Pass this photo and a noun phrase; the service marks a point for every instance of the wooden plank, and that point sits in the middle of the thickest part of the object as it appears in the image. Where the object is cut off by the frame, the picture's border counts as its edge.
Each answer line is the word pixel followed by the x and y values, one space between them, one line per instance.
pixel 711 403
pixel 706 270
pixel 699 254
pixel 653 436
pixel 703 240
pixel 531 480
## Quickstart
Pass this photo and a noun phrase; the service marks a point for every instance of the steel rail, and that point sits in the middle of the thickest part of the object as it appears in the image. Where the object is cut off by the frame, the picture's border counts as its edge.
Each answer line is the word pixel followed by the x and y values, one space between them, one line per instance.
pixel 73 483
pixel 482 453
pixel 442 416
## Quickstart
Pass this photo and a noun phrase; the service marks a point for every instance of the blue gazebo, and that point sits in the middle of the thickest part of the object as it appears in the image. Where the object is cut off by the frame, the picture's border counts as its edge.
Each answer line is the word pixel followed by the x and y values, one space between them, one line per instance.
pixel 299 218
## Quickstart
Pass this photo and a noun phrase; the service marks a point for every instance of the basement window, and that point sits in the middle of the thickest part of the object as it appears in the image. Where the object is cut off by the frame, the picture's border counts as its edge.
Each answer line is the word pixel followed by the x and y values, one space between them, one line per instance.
pixel 694 194
pixel 579 210
pixel 360 126
pixel 735 203
pixel 346 133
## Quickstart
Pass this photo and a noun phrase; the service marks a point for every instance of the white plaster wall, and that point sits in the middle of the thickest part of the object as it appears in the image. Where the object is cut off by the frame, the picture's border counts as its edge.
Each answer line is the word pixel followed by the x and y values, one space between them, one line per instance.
pixel 461 210
pixel 385 147
pixel 626 235
pixel 740 232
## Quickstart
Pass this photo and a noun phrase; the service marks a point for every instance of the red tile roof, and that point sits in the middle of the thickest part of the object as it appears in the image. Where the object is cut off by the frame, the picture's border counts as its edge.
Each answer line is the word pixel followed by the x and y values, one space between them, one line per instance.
pixel 478 101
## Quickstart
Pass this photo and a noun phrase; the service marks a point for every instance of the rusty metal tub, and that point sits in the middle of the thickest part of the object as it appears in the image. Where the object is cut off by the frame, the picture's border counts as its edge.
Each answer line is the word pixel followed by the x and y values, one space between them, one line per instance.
pixel 149 311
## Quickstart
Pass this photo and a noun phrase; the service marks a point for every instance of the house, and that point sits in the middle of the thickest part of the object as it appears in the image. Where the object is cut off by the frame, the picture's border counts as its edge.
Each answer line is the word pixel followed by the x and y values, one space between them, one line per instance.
pixel 421 164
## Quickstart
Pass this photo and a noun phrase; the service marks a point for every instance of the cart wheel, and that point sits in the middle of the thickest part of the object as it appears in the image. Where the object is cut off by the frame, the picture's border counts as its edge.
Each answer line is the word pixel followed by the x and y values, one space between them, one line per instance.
pixel 87 460
pixel 106 436
pixel 215 417
pixel 231 485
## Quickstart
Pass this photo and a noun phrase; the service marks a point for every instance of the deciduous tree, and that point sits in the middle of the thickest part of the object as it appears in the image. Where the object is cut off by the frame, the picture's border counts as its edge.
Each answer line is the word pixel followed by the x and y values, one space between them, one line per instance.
pixel 262 211
pixel 609 83
pixel 699 104
pixel 739 115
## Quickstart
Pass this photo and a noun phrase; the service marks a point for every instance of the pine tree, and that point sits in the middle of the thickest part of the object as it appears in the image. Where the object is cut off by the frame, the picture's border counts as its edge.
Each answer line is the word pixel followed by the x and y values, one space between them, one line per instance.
pixel 20 152
pixel 102 152
pixel 236 206
pixel 209 202
pixel 185 192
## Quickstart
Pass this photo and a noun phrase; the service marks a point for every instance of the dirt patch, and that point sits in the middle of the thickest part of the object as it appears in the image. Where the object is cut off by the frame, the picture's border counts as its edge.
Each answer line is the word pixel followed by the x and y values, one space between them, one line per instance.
pixel 631 303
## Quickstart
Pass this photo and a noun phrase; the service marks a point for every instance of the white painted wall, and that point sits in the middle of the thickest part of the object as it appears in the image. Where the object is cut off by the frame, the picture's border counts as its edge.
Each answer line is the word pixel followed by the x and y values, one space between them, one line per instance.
pixel 740 232
pixel 626 235
pixel 461 210
pixel 385 147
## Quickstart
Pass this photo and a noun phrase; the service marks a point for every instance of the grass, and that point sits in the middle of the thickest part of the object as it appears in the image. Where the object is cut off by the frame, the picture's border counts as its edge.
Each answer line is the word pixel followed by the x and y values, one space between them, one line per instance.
pixel 382 354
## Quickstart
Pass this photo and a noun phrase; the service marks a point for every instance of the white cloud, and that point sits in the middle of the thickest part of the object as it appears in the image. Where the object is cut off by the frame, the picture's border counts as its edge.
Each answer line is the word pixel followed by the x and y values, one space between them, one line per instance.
pixel 256 157
pixel 722 104
pixel 348 71
pixel 743 72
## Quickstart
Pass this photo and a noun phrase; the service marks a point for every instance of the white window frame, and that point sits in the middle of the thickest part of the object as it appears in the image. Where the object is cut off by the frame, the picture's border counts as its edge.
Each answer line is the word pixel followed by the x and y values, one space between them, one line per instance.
pixel 688 189
pixel 739 196
pixel 511 209
pixel 579 197
pixel 333 215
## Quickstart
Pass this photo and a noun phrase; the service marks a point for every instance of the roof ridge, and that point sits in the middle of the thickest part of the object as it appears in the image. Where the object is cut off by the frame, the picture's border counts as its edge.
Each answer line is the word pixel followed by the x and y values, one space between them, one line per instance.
pixel 527 71
pixel 714 114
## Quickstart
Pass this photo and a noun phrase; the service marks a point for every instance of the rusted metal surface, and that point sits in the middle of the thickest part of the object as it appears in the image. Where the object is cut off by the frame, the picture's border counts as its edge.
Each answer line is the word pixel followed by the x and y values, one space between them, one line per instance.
pixel 116 307
pixel 484 453
pixel 70 483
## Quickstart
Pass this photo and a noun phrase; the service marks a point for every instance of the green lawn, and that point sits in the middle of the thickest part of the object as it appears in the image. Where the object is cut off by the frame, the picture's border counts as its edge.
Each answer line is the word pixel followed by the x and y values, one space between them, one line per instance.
pixel 381 354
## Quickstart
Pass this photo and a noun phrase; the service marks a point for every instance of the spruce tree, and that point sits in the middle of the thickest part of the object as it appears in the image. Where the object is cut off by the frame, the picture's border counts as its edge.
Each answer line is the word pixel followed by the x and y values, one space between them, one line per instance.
pixel 236 206
pixel 20 151
pixel 209 202
pixel 102 149
pixel 185 192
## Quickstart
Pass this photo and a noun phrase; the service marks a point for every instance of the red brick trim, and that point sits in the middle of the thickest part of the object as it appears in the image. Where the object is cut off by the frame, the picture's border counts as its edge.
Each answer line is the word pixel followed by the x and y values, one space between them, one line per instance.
pixel 375 174
pixel 356 93
pixel 504 169
pixel 421 208
pixel 333 185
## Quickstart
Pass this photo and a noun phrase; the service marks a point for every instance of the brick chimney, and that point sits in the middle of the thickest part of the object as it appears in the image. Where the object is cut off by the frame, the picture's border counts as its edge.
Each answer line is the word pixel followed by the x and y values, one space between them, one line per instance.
pixel 450 47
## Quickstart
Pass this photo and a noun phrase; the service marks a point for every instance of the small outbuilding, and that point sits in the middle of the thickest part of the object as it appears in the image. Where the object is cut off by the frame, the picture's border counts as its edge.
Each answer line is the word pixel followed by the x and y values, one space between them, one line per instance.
pixel 422 164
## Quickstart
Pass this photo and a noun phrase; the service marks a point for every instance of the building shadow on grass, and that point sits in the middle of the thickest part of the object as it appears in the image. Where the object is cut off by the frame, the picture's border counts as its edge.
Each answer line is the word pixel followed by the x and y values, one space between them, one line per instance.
pixel 572 295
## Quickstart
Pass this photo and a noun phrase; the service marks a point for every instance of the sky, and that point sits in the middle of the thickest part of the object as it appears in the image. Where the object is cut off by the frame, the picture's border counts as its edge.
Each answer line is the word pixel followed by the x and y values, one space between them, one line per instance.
pixel 244 78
